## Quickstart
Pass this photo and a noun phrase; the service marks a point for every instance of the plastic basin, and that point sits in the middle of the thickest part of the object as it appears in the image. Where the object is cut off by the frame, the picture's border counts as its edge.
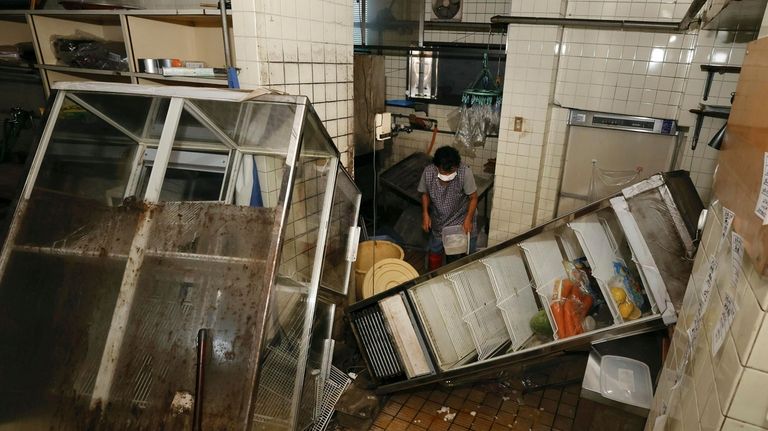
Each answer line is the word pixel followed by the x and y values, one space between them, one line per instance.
pixel 366 252
pixel 626 380
pixel 455 240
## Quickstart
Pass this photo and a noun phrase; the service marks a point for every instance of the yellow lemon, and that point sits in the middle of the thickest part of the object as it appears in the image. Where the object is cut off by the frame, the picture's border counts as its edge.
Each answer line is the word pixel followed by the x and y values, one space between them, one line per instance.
pixel 618 294
pixel 626 309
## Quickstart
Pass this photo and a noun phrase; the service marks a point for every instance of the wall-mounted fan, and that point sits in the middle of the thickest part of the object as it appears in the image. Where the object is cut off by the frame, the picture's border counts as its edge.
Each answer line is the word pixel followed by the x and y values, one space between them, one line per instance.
pixel 446 10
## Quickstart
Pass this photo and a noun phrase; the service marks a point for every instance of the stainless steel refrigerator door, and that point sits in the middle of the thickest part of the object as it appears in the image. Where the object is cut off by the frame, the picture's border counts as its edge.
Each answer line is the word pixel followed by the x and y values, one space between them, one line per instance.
pixel 613 150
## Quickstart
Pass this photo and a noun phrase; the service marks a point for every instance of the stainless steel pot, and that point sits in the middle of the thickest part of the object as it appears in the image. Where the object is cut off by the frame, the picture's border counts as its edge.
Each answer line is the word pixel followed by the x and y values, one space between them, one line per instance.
pixel 149 65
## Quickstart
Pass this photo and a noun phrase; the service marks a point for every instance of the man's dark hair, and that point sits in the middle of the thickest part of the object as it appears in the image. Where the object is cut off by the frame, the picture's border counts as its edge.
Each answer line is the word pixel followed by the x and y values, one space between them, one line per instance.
pixel 446 158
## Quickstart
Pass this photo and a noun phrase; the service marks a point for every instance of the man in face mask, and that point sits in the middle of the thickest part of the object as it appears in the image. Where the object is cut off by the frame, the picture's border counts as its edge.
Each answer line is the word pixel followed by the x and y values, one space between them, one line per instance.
pixel 448 198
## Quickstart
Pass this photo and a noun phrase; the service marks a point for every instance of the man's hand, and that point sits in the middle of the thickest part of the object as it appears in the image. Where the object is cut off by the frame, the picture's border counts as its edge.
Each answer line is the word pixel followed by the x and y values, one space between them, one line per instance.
pixel 426 222
pixel 467 225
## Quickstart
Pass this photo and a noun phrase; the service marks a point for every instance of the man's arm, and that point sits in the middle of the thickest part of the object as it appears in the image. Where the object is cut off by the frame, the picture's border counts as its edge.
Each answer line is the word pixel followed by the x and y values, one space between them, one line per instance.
pixel 470 212
pixel 426 222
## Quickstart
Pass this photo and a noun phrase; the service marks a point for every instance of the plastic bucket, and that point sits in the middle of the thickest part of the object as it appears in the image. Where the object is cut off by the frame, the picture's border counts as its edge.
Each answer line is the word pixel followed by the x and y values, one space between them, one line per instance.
pixel 366 251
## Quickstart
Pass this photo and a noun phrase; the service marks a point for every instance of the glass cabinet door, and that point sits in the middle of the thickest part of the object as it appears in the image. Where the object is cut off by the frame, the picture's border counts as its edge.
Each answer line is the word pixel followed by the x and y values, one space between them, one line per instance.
pixel 342 234
pixel 62 266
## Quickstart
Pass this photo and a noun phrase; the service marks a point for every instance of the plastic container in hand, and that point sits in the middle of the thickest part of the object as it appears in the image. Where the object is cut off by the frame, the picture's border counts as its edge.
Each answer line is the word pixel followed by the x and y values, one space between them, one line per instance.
pixel 626 380
pixel 455 241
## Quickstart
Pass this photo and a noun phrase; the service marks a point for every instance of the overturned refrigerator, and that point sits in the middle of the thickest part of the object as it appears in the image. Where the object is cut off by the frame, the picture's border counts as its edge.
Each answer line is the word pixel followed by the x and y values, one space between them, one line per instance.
pixel 626 259
pixel 174 262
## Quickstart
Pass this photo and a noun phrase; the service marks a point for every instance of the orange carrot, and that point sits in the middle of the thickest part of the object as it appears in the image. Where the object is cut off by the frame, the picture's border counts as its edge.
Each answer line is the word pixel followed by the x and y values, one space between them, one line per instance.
pixel 572 318
pixel 557 313
pixel 568 318
pixel 567 289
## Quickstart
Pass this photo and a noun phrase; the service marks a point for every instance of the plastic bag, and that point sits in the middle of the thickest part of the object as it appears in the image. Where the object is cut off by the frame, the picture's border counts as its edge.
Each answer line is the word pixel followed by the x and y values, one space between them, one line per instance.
pixel 581 267
pixel 474 125
pixel 568 306
pixel 463 138
pixel 89 52
pixel 626 292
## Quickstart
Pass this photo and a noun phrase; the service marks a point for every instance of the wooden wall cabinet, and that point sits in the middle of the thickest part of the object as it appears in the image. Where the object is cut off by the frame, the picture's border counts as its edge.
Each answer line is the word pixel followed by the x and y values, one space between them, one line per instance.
pixel 189 34
pixel 739 175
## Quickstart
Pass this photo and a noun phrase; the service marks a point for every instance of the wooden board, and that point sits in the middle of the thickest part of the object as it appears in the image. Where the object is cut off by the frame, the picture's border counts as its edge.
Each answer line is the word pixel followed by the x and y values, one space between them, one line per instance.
pixel 739 175
pixel 14 30
pixel 370 96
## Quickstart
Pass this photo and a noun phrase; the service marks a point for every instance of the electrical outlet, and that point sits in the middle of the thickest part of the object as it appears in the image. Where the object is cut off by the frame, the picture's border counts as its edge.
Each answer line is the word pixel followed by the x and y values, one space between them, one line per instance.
pixel 518 124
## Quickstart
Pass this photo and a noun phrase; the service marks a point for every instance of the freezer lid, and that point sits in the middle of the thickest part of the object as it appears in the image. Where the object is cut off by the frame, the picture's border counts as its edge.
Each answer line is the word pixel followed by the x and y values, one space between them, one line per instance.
pixel 663 218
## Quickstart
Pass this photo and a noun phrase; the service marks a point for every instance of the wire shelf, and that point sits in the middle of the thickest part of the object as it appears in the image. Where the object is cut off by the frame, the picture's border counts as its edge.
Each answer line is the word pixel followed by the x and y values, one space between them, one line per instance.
pixel 478 304
pixel 278 371
pixel 514 293
pixel 335 385
pixel 438 308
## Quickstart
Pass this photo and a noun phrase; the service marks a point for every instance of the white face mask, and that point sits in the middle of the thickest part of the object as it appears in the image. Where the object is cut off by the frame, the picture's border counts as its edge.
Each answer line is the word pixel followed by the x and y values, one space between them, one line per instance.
pixel 446 178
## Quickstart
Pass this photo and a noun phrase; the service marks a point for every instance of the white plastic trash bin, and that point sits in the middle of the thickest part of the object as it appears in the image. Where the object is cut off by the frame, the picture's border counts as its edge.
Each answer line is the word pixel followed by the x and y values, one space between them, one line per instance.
pixel 455 241
pixel 626 380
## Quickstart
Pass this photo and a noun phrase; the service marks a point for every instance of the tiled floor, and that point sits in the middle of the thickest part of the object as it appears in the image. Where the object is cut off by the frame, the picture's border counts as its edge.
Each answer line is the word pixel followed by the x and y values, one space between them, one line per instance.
pixel 482 408
pixel 543 397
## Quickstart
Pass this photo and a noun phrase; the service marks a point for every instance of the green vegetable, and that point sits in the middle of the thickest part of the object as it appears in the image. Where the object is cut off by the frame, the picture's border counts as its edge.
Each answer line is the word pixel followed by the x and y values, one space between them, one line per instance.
pixel 540 324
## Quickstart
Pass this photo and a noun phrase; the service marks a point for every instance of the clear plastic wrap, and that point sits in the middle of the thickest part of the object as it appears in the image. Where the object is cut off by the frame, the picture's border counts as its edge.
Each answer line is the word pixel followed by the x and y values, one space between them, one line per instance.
pixel 605 181
pixel 463 137
pixel 475 123
pixel 89 52
pixel 569 304
pixel 626 292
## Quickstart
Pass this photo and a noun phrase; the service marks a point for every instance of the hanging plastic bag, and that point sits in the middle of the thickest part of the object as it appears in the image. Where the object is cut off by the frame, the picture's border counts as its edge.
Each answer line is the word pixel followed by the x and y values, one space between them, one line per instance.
pixel 479 125
pixel 463 138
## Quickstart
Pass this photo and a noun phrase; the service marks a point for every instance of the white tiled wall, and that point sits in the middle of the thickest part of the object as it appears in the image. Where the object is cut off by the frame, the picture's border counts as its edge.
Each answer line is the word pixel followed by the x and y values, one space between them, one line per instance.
pixel 663 10
pixel 729 386
pixel 395 69
pixel 624 72
pixel 528 88
pixel 549 177
pixel 301 47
